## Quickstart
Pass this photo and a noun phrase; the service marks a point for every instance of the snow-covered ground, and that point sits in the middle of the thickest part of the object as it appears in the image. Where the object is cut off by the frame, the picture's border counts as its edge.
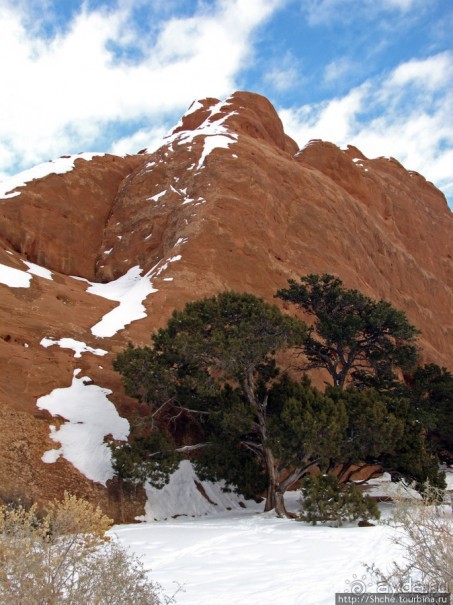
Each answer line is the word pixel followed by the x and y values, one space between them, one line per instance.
pixel 383 487
pixel 223 554
pixel 252 558
pixel 448 476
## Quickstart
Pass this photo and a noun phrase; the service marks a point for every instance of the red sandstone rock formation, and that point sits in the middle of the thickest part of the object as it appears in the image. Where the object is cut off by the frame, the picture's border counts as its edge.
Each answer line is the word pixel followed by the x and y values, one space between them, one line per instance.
pixel 228 202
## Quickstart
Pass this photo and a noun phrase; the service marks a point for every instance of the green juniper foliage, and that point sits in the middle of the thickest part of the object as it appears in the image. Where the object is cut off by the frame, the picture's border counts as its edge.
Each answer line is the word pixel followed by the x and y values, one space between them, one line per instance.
pixel 353 337
pixel 431 403
pixel 326 500
pixel 412 460
pixel 306 427
pixel 151 457
pixel 382 429
pixel 298 428
pixel 372 428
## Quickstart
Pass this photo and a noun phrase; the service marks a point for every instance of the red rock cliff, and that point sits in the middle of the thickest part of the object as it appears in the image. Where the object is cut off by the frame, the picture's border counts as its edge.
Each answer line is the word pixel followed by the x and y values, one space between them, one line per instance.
pixel 227 202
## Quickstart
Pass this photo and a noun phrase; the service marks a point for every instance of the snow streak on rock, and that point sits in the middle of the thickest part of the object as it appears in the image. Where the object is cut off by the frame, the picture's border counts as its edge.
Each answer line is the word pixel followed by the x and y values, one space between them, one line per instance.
pixel 16 278
pixel 215 133
pixel 77 346
pixel 130 291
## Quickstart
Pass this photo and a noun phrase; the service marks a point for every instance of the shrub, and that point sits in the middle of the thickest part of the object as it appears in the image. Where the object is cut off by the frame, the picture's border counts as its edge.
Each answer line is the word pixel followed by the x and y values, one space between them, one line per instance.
pixel 424 532
pixel 325 499
pixel 65 558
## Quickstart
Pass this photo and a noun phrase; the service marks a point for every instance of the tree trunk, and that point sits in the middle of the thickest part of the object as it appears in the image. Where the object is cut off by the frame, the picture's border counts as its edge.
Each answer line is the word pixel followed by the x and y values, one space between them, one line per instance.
pixel 270 498
pixel 121 494
pixel 274 497
pixel 280 508
pixel 275 501
pixel 271 480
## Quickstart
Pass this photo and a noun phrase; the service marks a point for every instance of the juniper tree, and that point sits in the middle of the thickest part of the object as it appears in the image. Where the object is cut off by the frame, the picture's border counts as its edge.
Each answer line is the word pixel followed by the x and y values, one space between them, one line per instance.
pixel 431 403
pixel 215 365
pixel 326 500
pixel 382 429
pixel 216 360
pixel 353 337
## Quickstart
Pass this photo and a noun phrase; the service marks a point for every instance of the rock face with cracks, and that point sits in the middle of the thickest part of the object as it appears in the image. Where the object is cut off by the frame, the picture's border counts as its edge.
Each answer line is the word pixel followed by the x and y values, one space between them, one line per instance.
pixel 228 202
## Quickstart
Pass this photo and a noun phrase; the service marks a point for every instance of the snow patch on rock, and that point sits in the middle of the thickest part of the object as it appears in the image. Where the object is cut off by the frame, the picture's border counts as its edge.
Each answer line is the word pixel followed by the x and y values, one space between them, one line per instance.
pixel 14 278
pixel 61 165
pixel 38 270
pixel 383 487
pixel 129 290
pixel 90 416
pixel 186 495
pixel 155 198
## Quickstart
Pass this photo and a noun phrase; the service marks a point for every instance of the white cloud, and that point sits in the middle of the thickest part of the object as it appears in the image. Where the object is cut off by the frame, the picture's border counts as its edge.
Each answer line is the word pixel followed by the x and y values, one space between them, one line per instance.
pixel 326 11
pixel 149 138
pixel 432 73
pixel 403 5
pixel 331 120
pixel 338 69
pixel 406 115
pixel 64 91
pixel 284 73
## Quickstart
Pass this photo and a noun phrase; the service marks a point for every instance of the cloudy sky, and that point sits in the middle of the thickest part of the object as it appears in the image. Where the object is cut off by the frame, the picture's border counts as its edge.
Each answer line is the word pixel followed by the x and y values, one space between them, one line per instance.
pixel 116 75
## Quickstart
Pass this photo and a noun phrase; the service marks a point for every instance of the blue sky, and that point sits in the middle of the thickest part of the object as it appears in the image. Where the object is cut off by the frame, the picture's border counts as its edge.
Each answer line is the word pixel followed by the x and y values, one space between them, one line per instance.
pixel 116 75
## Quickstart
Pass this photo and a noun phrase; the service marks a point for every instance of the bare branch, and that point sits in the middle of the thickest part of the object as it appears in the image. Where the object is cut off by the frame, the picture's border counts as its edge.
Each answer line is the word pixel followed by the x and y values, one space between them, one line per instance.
pixel 192 448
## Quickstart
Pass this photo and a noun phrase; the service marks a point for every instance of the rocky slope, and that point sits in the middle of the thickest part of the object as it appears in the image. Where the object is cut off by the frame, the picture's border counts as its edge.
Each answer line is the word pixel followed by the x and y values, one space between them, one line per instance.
pixel 227 202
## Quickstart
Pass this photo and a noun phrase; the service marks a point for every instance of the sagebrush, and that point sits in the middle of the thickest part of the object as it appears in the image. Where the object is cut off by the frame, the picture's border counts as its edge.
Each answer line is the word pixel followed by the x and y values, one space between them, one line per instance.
pixel 64 557
pixel 424 533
